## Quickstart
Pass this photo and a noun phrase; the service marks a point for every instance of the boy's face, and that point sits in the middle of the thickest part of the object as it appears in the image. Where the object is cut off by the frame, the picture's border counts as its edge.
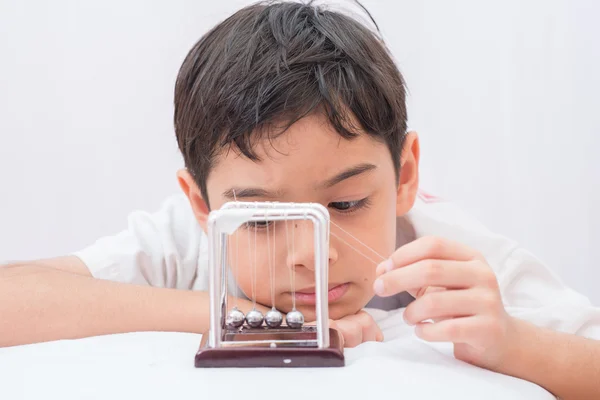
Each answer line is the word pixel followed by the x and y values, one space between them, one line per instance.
pixel 355 179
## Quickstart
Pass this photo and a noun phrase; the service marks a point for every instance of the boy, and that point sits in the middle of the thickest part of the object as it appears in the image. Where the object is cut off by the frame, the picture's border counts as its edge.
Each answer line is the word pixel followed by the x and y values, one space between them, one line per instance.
pixel 292 102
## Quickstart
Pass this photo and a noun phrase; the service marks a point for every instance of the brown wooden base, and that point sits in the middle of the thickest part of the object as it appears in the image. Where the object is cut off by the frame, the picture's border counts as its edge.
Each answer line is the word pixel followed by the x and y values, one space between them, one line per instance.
pixel 261 356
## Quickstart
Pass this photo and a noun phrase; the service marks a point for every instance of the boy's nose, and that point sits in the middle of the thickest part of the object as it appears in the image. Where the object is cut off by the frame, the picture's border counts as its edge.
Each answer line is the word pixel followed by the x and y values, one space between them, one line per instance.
pixel 301 251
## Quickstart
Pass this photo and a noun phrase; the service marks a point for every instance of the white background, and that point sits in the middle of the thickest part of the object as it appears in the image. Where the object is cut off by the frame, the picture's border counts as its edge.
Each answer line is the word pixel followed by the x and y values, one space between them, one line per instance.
pixel 504 95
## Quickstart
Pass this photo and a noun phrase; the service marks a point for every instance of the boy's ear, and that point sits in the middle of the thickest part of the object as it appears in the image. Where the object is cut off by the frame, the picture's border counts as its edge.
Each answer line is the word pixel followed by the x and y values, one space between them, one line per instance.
pixel 408 185
pixel 194 195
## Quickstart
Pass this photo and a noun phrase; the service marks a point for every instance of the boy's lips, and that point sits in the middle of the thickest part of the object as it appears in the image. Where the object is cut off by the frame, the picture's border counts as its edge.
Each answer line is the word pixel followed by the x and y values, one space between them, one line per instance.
pixel 307 295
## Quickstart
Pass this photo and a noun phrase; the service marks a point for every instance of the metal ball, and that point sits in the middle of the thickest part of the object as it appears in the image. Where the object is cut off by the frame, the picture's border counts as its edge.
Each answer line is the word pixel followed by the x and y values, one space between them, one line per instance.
pixel 254 318
pixel 273 319
pixel 235 318
pixel 294 319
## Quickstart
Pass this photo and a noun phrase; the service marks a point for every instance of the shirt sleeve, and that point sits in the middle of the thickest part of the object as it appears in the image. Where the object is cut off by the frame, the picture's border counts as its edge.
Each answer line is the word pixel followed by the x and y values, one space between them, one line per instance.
pixel 530 289
pixel 533 292
pixel 162 249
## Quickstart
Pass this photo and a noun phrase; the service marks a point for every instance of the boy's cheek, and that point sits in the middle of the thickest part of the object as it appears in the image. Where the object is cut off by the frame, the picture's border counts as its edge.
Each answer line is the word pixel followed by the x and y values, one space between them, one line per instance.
pixel 244 282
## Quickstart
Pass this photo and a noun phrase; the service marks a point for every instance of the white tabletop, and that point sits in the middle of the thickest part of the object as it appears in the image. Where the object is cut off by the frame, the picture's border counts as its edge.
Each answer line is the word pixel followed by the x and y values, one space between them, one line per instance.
pixel 154 365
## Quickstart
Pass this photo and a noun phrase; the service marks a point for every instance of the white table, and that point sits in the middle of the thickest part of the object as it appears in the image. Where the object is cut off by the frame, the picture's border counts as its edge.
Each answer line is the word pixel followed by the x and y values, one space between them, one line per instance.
pixel 154 365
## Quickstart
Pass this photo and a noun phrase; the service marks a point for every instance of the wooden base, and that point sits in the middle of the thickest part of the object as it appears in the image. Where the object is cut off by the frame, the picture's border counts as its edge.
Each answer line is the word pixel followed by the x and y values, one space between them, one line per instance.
pixel 262 355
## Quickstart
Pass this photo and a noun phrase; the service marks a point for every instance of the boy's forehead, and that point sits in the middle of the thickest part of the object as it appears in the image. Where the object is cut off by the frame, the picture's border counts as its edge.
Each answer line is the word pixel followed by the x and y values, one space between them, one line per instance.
pixel 310 135
pixel 309 154
pixel 302 144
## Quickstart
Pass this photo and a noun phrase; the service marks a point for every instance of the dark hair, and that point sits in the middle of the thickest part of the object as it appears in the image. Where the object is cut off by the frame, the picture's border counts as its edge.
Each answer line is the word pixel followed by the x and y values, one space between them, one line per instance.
pixel 271 64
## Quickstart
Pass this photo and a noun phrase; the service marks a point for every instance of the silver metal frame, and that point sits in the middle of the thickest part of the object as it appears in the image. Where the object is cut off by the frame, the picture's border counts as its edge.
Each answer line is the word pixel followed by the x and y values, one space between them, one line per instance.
pixel 226 220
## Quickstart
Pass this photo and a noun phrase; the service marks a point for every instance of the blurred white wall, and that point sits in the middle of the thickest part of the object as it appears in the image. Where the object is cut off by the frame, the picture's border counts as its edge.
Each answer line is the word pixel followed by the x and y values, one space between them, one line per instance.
pixel 504 94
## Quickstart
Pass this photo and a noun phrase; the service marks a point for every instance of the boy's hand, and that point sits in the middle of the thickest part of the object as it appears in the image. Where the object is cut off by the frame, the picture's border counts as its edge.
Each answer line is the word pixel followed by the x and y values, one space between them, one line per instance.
pixel 456 288
pixel 357 328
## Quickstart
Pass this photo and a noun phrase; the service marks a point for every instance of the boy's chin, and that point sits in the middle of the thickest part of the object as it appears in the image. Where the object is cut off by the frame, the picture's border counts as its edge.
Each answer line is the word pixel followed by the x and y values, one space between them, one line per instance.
pixel 336 311
pixel 341 310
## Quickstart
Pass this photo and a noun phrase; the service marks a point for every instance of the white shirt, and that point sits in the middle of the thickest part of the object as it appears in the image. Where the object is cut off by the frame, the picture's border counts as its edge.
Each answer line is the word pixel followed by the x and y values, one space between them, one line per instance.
pixel 169 249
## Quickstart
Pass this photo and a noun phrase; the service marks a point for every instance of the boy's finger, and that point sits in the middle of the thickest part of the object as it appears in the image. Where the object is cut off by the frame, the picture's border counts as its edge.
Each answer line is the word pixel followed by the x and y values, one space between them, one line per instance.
pixel 372 333
pixel 441 273
pixel 333 325
pixel 351 331
pixel 370 329
pixel 429 247
pixel 427 289
pixel 447 304
pixel 459 330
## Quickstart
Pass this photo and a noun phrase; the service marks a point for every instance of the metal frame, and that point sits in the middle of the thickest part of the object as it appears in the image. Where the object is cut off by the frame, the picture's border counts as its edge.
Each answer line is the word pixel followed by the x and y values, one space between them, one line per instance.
pixel 223 222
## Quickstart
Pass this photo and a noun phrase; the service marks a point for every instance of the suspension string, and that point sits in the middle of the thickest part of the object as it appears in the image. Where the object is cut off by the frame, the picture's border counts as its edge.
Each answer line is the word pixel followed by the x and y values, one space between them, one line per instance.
pixel 382 258
pixel 354 248
pixel 294 265
pixel 274 263
pixel 251 264
pixel 231 263
pixel 235 263
pixel 270 260
pixel 287 242
pixel 255 266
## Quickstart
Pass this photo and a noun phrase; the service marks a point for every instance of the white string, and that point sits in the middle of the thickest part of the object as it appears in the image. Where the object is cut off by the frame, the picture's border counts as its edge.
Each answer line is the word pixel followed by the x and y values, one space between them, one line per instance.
pixel 249 248
pixel 287 243
pixel 271 261
pixel 232 263
pixel 358 240
pixel 274 262
pixel 254 269
pixel 235 264
pixel 251 265
pixel 292 271
pixel 355 249
pixel 294 265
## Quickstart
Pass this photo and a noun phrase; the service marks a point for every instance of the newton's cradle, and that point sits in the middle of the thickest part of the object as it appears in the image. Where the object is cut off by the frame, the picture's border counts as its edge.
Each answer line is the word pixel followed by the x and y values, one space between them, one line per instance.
pixel 254 339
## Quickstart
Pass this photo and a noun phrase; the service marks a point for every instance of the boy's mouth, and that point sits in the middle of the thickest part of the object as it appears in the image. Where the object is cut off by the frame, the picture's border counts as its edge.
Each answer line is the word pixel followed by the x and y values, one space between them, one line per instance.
pixel 307 295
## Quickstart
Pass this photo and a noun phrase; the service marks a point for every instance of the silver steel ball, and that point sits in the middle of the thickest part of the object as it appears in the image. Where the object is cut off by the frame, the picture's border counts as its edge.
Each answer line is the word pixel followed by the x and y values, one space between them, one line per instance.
pixel 273 319
pixel 235 318
pixel 294 319
pixel 254 318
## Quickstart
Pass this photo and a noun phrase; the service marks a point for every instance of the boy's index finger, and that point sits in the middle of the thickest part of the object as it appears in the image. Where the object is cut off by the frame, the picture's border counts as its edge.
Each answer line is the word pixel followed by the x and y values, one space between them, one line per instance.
pixel 428 248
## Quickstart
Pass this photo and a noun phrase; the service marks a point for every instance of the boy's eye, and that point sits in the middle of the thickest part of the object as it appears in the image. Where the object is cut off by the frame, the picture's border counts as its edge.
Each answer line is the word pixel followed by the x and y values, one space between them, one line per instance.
pixel 343 205
pixel 348 206
pixel 340 206
pixel 259 224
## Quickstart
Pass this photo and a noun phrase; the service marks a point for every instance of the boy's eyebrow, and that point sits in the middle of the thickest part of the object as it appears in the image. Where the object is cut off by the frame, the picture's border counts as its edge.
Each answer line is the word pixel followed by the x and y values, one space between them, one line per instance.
pixel 244 193
pixel 348 173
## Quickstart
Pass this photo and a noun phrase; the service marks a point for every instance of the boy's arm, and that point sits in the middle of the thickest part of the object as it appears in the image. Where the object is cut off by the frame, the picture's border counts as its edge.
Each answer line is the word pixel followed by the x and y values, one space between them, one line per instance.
pixel 456 288
pixel 58 299
pixel 72 264
pixel 566 365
